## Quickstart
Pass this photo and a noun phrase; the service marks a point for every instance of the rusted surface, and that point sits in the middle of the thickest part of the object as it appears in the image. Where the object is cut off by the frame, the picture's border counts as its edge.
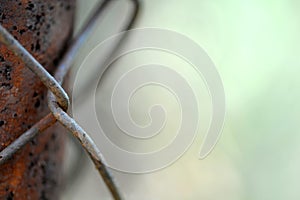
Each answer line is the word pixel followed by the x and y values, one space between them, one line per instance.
pixel 43 27
pixel 7 153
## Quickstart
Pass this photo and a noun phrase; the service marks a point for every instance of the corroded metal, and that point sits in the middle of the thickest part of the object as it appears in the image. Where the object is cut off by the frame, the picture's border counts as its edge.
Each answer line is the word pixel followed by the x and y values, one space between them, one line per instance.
pixel 13 45
pixel 43 28
pixel 26 137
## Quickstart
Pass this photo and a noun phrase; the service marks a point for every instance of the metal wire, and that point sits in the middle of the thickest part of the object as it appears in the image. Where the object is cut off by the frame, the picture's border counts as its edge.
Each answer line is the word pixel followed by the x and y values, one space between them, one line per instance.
pixel 11 43
pixel 39 127
pixel 78 100
pixel 85 88
pixel 58 100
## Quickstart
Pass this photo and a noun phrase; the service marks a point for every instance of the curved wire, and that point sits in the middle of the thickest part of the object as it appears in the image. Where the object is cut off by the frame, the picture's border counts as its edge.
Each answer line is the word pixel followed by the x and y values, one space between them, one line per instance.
pixel 76 170
pixel 128 26
pixel 85 140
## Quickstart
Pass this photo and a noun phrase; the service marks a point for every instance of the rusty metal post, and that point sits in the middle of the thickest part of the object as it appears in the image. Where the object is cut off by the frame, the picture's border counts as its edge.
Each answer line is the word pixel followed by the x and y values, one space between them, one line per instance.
pixel 43 28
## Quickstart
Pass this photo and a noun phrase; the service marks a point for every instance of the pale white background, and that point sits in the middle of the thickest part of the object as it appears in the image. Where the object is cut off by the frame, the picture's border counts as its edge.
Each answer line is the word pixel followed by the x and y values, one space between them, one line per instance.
pixel 255 46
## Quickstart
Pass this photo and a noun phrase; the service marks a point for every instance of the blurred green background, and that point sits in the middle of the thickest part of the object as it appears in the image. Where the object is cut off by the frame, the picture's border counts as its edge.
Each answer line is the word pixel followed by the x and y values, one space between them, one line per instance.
pixel 255 47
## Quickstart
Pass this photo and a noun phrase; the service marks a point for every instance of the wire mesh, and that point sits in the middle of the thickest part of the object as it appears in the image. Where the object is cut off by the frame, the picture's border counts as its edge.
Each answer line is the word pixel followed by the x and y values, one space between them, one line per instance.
pixel 58 100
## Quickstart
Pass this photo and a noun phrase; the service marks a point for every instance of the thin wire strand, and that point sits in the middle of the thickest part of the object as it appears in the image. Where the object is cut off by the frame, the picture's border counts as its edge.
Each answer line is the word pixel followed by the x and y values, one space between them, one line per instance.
pixel 76 170
pixel 88 144
pixel 83 93
pixel 21 141
pixel 69 122
pixel 11 43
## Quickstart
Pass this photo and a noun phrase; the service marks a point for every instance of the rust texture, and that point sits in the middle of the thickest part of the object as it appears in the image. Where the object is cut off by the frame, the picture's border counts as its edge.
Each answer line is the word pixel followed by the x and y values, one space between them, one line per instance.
pixel 43 27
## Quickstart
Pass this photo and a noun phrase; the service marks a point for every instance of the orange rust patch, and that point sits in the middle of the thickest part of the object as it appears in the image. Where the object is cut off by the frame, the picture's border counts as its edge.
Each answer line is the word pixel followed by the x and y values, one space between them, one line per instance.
pixel 43 28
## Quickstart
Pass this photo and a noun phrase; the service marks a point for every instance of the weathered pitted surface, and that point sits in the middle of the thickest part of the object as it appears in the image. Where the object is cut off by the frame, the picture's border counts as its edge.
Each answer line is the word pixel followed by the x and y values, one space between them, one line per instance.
pixel 43 27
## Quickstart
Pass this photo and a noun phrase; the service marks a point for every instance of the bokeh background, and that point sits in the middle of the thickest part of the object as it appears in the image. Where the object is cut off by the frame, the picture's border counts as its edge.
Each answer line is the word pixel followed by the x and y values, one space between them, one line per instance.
pixel 255 47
